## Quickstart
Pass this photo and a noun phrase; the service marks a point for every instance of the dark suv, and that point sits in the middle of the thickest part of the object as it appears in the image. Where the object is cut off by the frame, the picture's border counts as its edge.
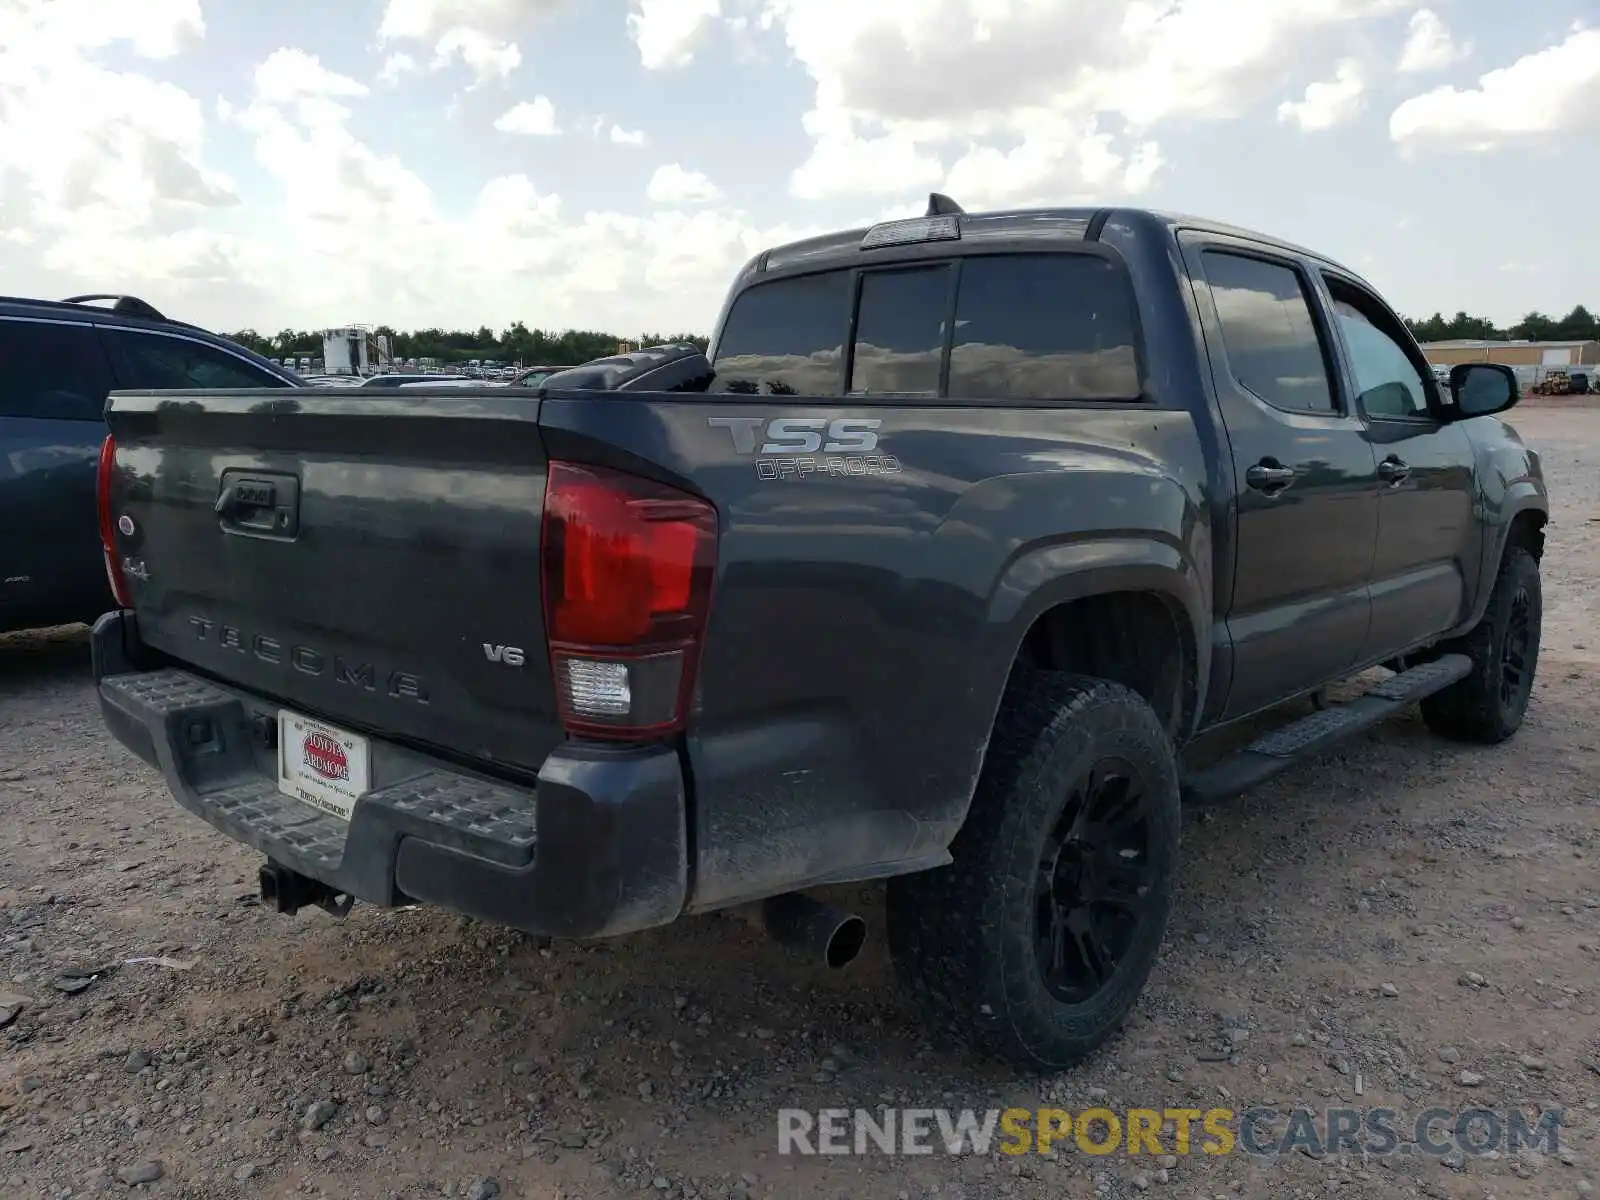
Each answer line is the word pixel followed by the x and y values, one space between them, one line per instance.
pixel 58 359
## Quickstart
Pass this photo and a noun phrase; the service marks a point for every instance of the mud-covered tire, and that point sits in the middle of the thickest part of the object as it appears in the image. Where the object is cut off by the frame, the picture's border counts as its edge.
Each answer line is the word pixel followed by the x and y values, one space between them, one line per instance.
pixel 970 942
pixel 1488 705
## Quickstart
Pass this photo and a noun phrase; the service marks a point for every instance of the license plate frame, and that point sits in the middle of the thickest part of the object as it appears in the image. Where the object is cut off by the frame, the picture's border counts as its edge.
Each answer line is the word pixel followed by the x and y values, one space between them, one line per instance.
pixel 322 766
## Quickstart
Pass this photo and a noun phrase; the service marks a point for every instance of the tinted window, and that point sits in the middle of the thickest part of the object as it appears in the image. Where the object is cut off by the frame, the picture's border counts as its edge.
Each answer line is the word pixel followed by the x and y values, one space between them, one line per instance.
pixel 1043 327
pixel 900 331
pixel 786 338
pixel 1267 332
pixel 1388 382
pixel 149 360
pixel 57 371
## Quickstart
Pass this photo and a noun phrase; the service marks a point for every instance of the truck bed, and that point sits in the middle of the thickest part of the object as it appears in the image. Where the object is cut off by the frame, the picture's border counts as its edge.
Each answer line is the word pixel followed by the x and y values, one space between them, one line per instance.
pixel 876 564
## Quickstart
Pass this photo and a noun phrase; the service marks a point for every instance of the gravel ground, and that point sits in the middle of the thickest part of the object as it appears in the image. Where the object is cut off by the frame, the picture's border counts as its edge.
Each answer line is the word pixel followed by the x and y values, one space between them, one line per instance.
pixel 1405 924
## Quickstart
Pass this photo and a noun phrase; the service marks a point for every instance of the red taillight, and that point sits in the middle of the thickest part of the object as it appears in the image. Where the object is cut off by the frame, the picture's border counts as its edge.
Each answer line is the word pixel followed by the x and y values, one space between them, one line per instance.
pixel 627 565
pixel 108 526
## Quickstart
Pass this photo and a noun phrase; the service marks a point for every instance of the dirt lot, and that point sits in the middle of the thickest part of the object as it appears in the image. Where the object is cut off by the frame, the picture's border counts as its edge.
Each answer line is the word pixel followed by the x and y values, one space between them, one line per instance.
pixel 1405 924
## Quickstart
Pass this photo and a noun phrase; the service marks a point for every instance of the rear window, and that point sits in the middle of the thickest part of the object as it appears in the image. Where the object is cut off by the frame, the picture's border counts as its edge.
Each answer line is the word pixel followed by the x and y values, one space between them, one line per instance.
pixel 1044 327
pixel 53 371
pixel 150 360
pixel 1056 326
pixel 786 338
pixel 900 331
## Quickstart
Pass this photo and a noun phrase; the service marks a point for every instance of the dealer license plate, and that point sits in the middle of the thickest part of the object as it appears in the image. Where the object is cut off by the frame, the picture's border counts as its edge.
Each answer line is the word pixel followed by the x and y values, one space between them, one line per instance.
pixel 319 765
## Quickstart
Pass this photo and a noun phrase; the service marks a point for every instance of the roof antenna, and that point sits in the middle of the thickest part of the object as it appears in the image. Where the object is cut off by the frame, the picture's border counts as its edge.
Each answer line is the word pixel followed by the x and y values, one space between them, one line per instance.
pixel 940 205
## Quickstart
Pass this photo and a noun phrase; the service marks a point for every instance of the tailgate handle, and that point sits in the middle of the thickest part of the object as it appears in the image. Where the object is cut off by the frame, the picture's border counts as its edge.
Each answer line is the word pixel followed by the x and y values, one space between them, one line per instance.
pixel 238 499
pixel 259 504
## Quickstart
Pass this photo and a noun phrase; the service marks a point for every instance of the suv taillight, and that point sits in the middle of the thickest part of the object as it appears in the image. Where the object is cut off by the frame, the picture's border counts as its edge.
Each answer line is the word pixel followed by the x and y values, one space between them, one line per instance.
pixel 108 525
pixel 627 566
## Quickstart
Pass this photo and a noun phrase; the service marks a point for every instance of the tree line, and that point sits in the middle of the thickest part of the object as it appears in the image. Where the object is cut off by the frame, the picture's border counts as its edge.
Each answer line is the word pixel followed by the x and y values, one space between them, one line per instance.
pixel 518 343
pixel 1579 325
pixel 515 344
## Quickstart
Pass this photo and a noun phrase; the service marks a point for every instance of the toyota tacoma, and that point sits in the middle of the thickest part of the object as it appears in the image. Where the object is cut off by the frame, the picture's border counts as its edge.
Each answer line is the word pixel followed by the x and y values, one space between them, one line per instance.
pixel 964 528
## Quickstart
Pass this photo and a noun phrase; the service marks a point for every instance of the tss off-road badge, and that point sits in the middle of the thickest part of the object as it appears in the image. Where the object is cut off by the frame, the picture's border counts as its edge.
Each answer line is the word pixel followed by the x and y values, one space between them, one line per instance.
pixel 801 447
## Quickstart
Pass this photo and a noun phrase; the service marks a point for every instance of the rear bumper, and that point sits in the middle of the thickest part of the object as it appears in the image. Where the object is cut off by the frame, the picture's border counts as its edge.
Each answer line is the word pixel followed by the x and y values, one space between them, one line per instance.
pixel 598 848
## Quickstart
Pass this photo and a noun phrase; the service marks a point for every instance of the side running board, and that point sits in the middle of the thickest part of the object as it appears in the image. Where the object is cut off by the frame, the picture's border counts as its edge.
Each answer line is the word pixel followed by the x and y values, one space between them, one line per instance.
pixel 1310 735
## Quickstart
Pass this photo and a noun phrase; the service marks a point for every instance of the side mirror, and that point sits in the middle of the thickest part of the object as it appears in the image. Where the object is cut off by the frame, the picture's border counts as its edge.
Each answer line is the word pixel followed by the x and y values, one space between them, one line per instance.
pixel 1482 389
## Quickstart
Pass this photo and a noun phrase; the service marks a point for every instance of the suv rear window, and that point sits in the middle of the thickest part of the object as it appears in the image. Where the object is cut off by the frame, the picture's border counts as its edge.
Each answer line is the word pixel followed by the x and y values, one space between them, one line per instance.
pixel 151 360
pixel 1057 326
pixel 52 370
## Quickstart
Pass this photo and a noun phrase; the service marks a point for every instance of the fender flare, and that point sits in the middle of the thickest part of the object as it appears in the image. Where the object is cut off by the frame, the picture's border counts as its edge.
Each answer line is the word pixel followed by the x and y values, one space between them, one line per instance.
pixel 1522 497
pixel 1043 577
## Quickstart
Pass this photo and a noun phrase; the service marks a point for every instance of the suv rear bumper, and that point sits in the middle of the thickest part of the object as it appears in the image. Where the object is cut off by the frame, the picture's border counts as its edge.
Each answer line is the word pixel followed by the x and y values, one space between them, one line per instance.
pixel 598 848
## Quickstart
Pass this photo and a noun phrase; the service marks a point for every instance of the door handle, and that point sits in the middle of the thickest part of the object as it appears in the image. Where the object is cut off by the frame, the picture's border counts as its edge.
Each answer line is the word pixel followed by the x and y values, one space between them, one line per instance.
pixel 1392 470
pixel 1269 477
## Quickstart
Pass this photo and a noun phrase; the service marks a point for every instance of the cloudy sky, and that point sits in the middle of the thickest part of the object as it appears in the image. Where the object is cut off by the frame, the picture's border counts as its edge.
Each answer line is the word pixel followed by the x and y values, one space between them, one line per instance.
pixel 608 163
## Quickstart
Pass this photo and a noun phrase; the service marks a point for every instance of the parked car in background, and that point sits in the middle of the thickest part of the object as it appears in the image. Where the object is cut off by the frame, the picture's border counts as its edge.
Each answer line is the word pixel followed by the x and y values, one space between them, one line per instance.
pixel 60 359
pixel 532 377
pixel 346 381
pixel 670 367
pixel 397 378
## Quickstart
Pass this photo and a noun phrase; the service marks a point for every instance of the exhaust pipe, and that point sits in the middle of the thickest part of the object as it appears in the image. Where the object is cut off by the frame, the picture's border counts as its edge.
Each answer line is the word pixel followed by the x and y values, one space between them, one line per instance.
pixel 809 926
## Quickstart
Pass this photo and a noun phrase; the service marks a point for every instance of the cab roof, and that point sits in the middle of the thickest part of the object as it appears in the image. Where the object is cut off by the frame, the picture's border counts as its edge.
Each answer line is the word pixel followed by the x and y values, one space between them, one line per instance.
pixel 1015 229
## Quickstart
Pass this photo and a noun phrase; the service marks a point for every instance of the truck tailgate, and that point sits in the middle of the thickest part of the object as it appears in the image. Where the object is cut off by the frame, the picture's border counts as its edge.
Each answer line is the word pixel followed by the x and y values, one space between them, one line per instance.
pixel 370 561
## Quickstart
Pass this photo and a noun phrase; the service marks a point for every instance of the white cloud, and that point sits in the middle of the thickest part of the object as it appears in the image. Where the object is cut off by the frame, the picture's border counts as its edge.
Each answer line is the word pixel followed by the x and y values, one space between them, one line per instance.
pixel 1429 46
pixel 904 86
pixel 116 117
pixel 667 32
pixel 1058 163
pixel 354 184
pixel 485 56
pixel 672 184
pixel 1328 103
pixel 844 163
pixel 531 119
pixel 396 66
pixel 481 33
pixel 290 75
pixel 368 232
pixel 1553 91
pixel 153 29
pixel 425 20
pixel 96 150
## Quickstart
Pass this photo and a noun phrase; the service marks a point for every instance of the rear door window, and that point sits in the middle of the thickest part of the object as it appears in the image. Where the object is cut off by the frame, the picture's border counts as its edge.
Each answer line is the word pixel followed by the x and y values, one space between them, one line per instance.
pixel 1268 334
pixel 900 332
pixel 1044 327
pixel 151 360
pixel 52 371
pixel 786 338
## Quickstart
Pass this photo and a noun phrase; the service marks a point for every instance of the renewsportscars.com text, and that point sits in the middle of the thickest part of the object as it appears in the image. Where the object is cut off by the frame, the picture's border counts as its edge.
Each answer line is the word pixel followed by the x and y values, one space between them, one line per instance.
pixel 1165 1131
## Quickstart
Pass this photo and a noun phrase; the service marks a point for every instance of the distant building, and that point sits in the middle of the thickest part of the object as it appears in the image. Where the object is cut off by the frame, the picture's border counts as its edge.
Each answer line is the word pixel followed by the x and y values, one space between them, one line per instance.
pixel 1554 355
pixel 1531 361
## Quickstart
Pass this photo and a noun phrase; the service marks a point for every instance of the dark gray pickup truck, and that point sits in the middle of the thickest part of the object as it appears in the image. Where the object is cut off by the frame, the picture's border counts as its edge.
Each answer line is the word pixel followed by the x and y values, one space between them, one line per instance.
pixel 968 524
